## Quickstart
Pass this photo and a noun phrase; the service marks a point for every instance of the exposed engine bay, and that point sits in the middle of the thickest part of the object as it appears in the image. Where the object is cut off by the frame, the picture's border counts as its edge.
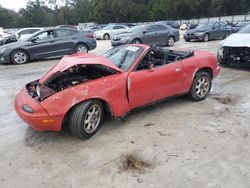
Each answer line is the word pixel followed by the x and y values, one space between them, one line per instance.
pixel 62 80
pixel 238 56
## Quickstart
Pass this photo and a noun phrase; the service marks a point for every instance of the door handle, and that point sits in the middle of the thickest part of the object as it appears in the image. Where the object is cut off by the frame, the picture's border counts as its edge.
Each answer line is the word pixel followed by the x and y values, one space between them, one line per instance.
pixel 178 69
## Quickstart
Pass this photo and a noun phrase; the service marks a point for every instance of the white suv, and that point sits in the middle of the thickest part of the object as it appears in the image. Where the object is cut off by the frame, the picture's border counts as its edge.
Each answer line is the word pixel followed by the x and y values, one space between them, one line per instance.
pixel 109 31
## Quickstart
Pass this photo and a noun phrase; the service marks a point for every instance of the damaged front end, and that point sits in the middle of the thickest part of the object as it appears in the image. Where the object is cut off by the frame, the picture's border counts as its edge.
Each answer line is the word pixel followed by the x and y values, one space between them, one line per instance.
pixel 60 81
pixel 234 56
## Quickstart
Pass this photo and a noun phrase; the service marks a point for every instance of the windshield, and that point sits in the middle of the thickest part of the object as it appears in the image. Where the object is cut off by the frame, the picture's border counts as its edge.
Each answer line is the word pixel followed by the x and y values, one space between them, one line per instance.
pixel 123 57
pixel 136 29
pixel 204 25
pixel 245 30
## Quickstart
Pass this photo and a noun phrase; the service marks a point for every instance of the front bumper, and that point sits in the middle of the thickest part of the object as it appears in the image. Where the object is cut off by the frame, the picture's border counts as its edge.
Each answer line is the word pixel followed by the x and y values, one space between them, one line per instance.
pixel 4 58
pixel 39 119
pixel 118 43
pixel 98 36
pixel 193 36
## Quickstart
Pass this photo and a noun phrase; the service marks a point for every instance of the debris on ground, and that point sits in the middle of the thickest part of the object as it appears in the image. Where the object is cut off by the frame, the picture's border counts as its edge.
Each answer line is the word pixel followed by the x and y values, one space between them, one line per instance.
pixel 161 133
pixel 224 99
pixel 134 163
pixel 149 124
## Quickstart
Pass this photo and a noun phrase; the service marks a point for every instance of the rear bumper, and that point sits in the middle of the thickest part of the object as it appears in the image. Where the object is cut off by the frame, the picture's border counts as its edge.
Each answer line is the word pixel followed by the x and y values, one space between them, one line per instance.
pixel 39 119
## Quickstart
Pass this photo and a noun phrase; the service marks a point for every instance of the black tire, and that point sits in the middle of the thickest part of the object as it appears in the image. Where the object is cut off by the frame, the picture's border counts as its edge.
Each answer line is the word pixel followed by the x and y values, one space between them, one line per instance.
pixel 206 37
pixel 106 36
pixel 195 93
pixel 136 41
pixel 171 41
pixel 19 57
pixel 81 48
pixel 187 40
pixel 78 119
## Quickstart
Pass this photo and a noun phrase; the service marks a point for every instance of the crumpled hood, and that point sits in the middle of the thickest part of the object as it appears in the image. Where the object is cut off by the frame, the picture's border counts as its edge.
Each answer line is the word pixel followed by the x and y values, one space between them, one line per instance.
pixel 79 59
pixel 237 40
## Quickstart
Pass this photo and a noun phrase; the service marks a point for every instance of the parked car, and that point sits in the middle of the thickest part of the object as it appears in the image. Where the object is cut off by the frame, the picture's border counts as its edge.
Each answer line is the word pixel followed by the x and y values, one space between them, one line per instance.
pixel 173 24
pixel 148 34
pixel 239 25
pixel 77 91
pixel 26 32
pixel 6 38
pixel 109 31
pixel 47 44
pixel 94 29
pixel 208 31
pixel 66 27
pixel 235 50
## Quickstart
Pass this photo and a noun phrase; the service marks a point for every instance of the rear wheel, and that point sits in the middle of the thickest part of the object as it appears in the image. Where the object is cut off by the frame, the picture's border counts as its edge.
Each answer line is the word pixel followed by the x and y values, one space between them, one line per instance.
pixel 81 48
pixel 19 57
pixel 171 41
pixel 206 37
pixel 86 119
pixel 201 86
pixel 106 36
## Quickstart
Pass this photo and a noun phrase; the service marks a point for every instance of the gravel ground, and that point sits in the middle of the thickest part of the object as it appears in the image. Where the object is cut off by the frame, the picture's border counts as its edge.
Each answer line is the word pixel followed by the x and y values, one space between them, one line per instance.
pixel 188 145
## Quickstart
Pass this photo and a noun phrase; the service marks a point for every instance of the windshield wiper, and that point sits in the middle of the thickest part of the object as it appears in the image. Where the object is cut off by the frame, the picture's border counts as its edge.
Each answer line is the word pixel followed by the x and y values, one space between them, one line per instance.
pixel 123 59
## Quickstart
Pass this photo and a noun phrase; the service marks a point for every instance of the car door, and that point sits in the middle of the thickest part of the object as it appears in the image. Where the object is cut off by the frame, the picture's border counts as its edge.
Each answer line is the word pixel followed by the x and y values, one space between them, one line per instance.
pixel 164 33
pixel 151 35
pixel 223 30
pixel 43 45
pixel 141 87
pixel 65 41
pixel 170 79
pixel 215 31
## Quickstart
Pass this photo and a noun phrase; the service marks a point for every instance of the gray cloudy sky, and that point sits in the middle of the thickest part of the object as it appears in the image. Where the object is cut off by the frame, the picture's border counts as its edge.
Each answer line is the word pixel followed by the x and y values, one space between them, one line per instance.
pixel 13 4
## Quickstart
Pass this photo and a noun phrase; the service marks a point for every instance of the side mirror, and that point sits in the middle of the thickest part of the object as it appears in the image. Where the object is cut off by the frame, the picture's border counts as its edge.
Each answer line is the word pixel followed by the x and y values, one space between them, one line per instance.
pixel 150 67
pixel 33 40
pixel 144 32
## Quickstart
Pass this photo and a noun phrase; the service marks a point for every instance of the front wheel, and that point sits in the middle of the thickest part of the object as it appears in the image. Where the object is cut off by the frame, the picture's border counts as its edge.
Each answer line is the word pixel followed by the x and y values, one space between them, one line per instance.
pixel 86 119
pixel 201 86
pixel 19 57
pixel 171 41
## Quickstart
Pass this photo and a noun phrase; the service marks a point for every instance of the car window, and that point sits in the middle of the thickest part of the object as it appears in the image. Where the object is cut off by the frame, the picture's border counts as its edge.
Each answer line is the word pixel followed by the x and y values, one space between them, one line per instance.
pixel 124 56
pixel 64 32
pixel 162 27
pixel 153 28
pixel 216 25
pixel 119 27
pixel 222 24
pixel 45 35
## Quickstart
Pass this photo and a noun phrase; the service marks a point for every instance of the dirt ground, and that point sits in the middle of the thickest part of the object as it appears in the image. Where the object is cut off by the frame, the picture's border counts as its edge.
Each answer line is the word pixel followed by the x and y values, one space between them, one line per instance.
pixel 187 144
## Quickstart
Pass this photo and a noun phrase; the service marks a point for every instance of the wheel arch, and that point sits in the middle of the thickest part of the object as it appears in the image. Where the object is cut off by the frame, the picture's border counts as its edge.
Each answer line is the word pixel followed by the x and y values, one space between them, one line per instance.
pixel 81 42
pixel 106 105
pixel 26 51
pixel 208 70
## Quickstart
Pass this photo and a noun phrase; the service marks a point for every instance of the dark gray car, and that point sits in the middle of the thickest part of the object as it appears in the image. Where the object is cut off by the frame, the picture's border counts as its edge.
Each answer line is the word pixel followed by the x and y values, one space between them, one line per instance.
pixel 208 31
pixel 47 44
pixel 160 34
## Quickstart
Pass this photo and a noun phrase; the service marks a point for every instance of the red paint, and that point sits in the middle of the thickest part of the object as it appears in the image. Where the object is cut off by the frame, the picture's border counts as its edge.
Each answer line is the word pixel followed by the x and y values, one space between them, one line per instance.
pixel 122 91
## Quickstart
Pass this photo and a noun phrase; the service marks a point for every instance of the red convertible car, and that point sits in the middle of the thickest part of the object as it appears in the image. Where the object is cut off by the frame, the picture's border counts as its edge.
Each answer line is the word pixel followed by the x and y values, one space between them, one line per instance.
pixel 81 87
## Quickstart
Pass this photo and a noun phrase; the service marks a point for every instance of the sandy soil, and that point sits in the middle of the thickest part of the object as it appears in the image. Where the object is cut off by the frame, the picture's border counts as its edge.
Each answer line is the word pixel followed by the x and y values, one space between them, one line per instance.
pixel 190 145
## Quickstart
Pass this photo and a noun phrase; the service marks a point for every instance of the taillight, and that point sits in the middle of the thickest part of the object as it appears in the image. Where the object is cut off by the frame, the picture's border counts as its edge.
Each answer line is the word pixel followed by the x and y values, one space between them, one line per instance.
pixel 90 35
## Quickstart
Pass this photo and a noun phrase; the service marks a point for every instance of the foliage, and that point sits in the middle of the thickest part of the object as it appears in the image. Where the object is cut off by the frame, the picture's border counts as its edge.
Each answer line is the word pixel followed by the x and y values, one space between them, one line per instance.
pixel 59 12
